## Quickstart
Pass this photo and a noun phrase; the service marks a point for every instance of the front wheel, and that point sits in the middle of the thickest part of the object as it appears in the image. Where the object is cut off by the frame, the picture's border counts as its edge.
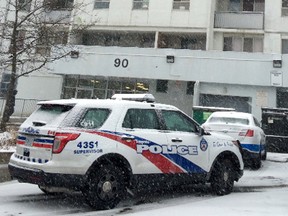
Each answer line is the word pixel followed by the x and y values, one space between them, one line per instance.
pixel 105 187
pixel 222 178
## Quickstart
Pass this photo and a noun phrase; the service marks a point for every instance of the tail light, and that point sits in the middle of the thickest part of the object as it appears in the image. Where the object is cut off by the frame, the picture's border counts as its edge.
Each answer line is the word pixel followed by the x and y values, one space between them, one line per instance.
pixel 61 139
pixel 247 133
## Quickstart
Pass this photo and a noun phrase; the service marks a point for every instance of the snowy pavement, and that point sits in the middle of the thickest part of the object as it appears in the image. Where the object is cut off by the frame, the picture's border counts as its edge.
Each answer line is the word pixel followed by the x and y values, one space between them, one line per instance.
pixel 259 192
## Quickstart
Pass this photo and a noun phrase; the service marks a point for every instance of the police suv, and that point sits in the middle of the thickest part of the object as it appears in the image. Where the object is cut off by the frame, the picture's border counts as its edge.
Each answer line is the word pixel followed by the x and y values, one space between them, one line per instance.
pixel 105 148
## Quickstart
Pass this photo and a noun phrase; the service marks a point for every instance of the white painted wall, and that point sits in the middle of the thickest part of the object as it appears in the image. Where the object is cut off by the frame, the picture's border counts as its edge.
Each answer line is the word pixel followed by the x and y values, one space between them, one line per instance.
pixel 40 86
pixel 206 66
pixel 160 14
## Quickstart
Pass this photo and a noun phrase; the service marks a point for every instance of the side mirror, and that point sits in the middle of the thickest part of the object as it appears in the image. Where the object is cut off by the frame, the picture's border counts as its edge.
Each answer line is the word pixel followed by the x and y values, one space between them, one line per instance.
pixel 201 131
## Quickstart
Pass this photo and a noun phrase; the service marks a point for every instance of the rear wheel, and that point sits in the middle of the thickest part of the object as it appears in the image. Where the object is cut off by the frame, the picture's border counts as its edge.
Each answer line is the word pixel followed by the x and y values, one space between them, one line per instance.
pixel 264 156
pixel 105 187
pixel 222 178
pixel 256 162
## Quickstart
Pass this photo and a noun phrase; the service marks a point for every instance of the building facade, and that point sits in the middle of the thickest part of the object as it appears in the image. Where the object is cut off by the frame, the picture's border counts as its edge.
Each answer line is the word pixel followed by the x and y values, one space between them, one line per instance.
pixel 220 53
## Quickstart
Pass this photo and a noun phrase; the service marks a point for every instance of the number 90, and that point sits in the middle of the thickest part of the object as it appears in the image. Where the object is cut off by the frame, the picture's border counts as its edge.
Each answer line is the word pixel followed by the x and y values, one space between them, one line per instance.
pixel 118 62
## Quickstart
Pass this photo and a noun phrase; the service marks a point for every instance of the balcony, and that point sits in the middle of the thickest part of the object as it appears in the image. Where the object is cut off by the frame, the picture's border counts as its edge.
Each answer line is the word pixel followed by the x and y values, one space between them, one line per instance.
pixel 239 20
pixel 57 16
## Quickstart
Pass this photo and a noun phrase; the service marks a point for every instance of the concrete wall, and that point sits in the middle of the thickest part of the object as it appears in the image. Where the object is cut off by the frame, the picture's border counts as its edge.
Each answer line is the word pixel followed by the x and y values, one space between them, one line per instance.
pixel 176 95
pixel 39 86
pixel 261 96
pixel 276 27
pixel 160 14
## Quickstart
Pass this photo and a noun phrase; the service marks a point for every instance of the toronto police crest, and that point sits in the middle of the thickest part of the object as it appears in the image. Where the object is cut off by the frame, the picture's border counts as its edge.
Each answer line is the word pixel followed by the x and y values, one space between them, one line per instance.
pixel 203 144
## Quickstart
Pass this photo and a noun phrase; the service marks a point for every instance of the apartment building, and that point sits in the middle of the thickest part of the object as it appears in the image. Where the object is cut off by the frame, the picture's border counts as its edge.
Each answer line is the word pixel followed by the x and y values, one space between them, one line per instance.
pixel 220 53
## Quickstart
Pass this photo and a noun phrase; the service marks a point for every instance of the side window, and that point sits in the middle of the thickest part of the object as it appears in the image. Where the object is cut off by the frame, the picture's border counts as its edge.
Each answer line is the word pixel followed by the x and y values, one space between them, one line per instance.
pixel 141 118
pixel 94 118
pixel 176 121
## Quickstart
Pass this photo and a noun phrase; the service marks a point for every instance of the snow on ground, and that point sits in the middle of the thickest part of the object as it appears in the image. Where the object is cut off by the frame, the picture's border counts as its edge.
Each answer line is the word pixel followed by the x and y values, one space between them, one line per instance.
pixel 6 139
pixel 262 192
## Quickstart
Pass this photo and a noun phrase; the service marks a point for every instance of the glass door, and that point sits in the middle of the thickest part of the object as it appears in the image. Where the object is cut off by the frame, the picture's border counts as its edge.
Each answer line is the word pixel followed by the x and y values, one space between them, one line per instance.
pixel 84 93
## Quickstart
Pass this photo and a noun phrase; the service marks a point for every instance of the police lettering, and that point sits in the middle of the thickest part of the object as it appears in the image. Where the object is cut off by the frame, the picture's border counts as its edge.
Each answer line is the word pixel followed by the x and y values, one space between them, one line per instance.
pixel 31 130
pixel 164 149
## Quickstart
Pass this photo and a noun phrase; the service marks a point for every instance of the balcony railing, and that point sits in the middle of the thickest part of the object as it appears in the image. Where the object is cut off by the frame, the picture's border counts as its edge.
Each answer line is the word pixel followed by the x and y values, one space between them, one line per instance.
pixel 239 20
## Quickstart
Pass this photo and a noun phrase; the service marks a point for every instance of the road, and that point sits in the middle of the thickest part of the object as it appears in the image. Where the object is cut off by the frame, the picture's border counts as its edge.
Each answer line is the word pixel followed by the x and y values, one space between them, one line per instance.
pixel 261 192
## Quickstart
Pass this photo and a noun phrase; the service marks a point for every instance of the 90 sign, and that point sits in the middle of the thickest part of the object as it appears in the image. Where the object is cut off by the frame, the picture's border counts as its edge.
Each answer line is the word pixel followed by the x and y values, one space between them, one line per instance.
pixel 123 63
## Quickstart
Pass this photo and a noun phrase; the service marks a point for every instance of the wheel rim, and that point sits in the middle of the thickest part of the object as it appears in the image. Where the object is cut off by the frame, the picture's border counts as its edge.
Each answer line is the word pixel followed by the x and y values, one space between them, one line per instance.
pixel 226 176
pixel 107 187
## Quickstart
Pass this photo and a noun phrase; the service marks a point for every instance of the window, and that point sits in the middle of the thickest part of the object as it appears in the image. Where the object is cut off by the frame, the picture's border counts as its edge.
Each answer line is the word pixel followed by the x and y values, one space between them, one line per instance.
pixel 4 83
pixel 243 44
pixel 140 4
pixel 284 46
pixel 191 41
pixel 94 118
pixel 49 37
pixel 50 114
pixel 181 4
pixel 176 121
pixel 121 39
pixel 100 87
pixel 24 5
pixel 162 86
pixel 190 88
pixel 284 7
pixel 246 5
pixel 229 120
pixel 59 4
pixel 101 4
pixel 234 5
pixel 141 118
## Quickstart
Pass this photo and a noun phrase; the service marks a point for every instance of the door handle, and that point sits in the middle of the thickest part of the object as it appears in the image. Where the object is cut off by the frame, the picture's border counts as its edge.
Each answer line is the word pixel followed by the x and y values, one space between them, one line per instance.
pixel 176 140
pixel 127 138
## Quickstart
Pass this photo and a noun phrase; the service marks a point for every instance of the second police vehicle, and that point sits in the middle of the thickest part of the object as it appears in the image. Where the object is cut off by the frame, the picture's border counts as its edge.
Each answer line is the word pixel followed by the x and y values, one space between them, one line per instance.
pixel 106 147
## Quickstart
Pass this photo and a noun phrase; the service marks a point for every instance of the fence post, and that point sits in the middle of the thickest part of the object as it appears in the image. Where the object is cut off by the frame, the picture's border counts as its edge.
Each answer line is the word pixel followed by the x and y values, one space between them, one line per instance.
pixel 21 115
pixel 3 105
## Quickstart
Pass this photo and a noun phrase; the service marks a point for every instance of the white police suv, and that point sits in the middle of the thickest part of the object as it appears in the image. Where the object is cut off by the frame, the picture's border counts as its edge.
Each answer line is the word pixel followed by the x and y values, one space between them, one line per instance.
pixel 105 147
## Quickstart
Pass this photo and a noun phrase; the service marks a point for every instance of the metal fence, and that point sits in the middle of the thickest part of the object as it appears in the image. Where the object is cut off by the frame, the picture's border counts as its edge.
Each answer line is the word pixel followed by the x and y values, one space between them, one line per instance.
pixel 23 107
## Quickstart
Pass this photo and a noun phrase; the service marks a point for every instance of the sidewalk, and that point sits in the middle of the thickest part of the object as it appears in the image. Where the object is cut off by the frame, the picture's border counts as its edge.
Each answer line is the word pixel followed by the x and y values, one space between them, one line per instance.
pixel 277 157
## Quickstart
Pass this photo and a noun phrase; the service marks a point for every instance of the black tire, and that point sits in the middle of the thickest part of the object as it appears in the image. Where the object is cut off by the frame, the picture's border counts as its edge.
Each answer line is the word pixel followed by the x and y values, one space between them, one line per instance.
pixel 264 156
pixel 256 163
pixel 105 187
pixel 222 178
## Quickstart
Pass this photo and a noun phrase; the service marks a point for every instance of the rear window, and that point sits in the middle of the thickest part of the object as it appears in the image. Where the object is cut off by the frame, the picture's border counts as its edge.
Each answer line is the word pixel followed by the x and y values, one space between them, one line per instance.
pixel 229 120
pixel 49 114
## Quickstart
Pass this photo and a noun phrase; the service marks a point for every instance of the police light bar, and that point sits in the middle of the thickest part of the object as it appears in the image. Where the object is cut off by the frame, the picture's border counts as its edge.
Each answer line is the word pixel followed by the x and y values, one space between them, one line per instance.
pixel 134 97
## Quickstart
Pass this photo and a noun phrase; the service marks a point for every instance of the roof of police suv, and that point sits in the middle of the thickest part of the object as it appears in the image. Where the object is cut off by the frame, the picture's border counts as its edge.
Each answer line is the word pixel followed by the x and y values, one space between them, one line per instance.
pixel 107 102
